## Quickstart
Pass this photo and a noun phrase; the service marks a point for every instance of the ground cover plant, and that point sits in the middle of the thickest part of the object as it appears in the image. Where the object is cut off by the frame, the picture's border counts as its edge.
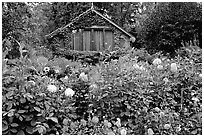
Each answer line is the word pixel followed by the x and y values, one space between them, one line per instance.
pixel 125 96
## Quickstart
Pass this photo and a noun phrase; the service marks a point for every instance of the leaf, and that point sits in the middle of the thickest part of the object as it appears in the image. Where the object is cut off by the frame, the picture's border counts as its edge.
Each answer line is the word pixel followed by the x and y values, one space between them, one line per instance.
pixel 54 119
pixel 21 111
pixel 10 114
pixel 4 113
pixel 9 94
pixel 10 104
pixel 51 114
pixel 5 132
pixel 20 133
pixel 40 130
pixel 20 118
pixel 4 127
pixel 46 125
pixel 28 95
pixel 22 100
pixel 37 109
pixel 194 132
pixel 13 130
pixel 28 117
pixel 29 130
pixel 11 119
pixel 65 121
pixel 14 125
pixel 5 122
pixel 33 123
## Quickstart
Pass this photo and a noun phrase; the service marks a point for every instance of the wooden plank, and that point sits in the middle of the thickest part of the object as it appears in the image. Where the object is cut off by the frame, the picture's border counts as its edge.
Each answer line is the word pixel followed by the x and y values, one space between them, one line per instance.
pixel 92 40
pixel 88 41
pixel 97 40
pixel 75 44
pixel 76 41
pixel 72 39
pixel 81 40
pixel 104 39
pixel 84 40
pixel 113 42
pixel 109 39
pixel 101 41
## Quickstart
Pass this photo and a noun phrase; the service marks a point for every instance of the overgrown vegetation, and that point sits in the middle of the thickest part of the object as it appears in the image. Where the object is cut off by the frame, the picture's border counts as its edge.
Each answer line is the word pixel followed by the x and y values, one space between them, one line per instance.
pixel 124 92
pixel 118 97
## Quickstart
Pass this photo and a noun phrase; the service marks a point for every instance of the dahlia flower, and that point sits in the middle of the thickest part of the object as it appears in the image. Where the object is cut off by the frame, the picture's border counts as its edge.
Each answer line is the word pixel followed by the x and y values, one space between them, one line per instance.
pixel 174 67
pixel 83 77
pixel 157 61
pixel 52 88
pixel 69 92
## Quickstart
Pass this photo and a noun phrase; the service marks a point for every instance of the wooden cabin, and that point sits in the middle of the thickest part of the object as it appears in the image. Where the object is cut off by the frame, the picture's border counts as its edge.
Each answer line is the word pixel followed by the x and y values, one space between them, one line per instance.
pixel 97 37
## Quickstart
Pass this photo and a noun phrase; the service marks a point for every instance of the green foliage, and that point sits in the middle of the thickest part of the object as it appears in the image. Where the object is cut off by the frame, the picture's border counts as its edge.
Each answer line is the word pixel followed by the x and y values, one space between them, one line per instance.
pixel 14 16
pixel 120 96
pixel 170 25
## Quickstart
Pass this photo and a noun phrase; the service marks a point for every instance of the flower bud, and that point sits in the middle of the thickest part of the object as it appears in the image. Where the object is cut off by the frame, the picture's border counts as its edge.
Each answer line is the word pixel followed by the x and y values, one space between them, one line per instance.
pixel 69 92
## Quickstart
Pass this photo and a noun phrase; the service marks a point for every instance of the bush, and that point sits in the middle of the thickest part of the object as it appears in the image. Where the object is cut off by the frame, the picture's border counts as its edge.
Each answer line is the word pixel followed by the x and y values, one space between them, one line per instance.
pixel 121 96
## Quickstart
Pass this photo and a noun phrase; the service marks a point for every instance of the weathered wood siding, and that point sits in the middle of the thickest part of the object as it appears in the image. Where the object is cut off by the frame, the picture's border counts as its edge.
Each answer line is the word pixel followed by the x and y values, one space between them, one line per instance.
pixel 92 40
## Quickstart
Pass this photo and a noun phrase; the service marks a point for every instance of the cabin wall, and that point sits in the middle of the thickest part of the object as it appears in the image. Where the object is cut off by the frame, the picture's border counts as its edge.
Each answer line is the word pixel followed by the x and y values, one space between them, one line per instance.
pixel 92 40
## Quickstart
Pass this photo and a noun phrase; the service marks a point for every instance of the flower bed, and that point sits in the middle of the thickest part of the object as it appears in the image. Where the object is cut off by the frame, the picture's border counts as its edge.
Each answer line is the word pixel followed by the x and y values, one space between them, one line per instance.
pixel 119 97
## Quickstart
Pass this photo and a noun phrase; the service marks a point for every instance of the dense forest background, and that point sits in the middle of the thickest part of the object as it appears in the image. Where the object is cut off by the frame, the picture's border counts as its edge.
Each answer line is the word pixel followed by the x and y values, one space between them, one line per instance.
pixel 157 26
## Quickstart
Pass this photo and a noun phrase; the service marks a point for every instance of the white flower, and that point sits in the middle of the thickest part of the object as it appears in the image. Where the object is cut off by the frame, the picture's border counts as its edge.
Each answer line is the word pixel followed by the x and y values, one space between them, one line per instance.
pixel 117 123
pixel 95 120
pixel 93 87
pixel 123 131
pixel 166 80
pixel 150 131
pixel 157 61
pixel 46 69
pixel 160 67
pixel 69 92
pixel 167 126
pixel 66 77
pixel 174 67
pixel 132 39
pixel 52 88
pixel 200 75
pixel 83 77
pixel 195 99
pixel 151 83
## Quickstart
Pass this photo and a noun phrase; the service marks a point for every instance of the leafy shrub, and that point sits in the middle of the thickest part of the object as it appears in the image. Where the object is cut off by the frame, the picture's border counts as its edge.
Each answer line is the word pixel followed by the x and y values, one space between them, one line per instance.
pixel 121 96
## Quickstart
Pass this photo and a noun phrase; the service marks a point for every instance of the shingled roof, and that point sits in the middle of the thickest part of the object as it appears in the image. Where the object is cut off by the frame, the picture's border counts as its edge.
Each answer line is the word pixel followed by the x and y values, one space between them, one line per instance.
pixel 84 14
